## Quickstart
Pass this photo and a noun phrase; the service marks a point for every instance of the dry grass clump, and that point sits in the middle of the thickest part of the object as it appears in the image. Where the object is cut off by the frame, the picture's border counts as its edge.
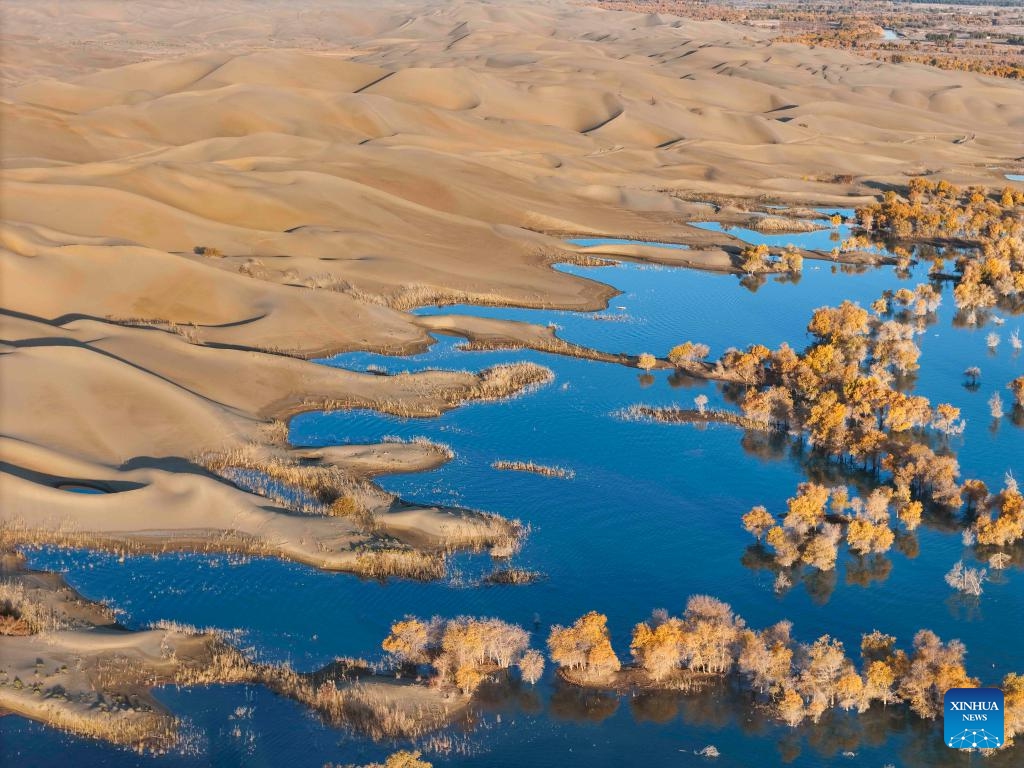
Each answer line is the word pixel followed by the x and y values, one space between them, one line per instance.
pixel 580 259
pixel 513 576
pixel 419 295
pixel 143 731
pixel 274 432
pixel 715 200
pixel 496 383
pixel 676 415
pixel 345 506
pixel 537 469
pixel 442 449
pixel 504 381
pixel 382 563
pixel 379 714
pixel 415 295
pixel 224 664
pixel 320 489
pixel 19 533
pixel 505 547
pixel 373 714
pixel 477 531
pixel 21 615
pixel 188 331
pixel 375 709
pixel 781 224
pixel 552 345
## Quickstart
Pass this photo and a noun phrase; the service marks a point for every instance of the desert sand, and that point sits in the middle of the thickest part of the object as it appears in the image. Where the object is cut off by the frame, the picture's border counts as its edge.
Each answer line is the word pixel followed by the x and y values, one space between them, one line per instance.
pixel 199 197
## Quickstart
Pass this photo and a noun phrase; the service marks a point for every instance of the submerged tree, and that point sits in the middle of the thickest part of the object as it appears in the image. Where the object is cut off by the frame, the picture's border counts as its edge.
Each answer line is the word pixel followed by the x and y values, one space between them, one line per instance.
pixel 531 666
pixel 995 406
pixel 402 759
pixel 585 647
pixel 1013 706
pixel 688 352
pixel 966 580
pixel 934 668
pixel 1006 525
pixel 462 651
pixel 816 518
pixel 409 640
pixel 657 646
pixel 796 681
pixel 1017 388
pixel 757 522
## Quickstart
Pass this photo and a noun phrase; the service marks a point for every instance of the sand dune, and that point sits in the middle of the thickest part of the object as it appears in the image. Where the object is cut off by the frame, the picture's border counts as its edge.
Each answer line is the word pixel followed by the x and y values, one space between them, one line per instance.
pixel 341 164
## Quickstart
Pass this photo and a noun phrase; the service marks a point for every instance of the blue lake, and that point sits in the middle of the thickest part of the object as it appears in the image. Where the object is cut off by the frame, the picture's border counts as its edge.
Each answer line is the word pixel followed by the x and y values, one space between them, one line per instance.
pixel 824 239
pixel 651 517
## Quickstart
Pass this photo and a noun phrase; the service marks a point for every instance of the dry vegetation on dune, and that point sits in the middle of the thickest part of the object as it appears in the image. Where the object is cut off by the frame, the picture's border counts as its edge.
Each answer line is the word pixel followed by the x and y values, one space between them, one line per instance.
pixel 193 210
pixel 496 383
pixel 484 334
pixel 65 663
pixel 318 489
pixel 387 562
pixel 21 615
pixel 344 510
pixel 399 540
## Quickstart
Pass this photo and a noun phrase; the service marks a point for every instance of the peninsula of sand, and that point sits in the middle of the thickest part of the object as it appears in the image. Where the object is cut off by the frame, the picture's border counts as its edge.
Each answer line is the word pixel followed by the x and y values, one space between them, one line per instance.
pixel 200 197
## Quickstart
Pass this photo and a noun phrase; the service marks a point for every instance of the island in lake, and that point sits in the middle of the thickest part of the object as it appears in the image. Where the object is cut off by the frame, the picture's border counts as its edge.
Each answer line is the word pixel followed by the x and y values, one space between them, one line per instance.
pixel 513 383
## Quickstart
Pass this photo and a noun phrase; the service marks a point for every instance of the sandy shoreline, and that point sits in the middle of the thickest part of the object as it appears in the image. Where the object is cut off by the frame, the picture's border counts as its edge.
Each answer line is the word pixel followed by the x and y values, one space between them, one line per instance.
pixel 66 662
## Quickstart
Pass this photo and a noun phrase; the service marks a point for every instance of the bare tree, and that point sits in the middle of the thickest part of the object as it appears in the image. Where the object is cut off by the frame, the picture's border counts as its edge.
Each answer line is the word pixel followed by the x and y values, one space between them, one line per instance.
pixel 966 580
pixel 999 561
pixel 995 406
pixel 531 666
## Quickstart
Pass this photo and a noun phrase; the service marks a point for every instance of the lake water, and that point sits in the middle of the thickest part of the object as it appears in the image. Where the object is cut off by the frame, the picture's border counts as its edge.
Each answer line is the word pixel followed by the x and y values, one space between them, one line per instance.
pixel 824 239
pixel 651 517
pixel 890 34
